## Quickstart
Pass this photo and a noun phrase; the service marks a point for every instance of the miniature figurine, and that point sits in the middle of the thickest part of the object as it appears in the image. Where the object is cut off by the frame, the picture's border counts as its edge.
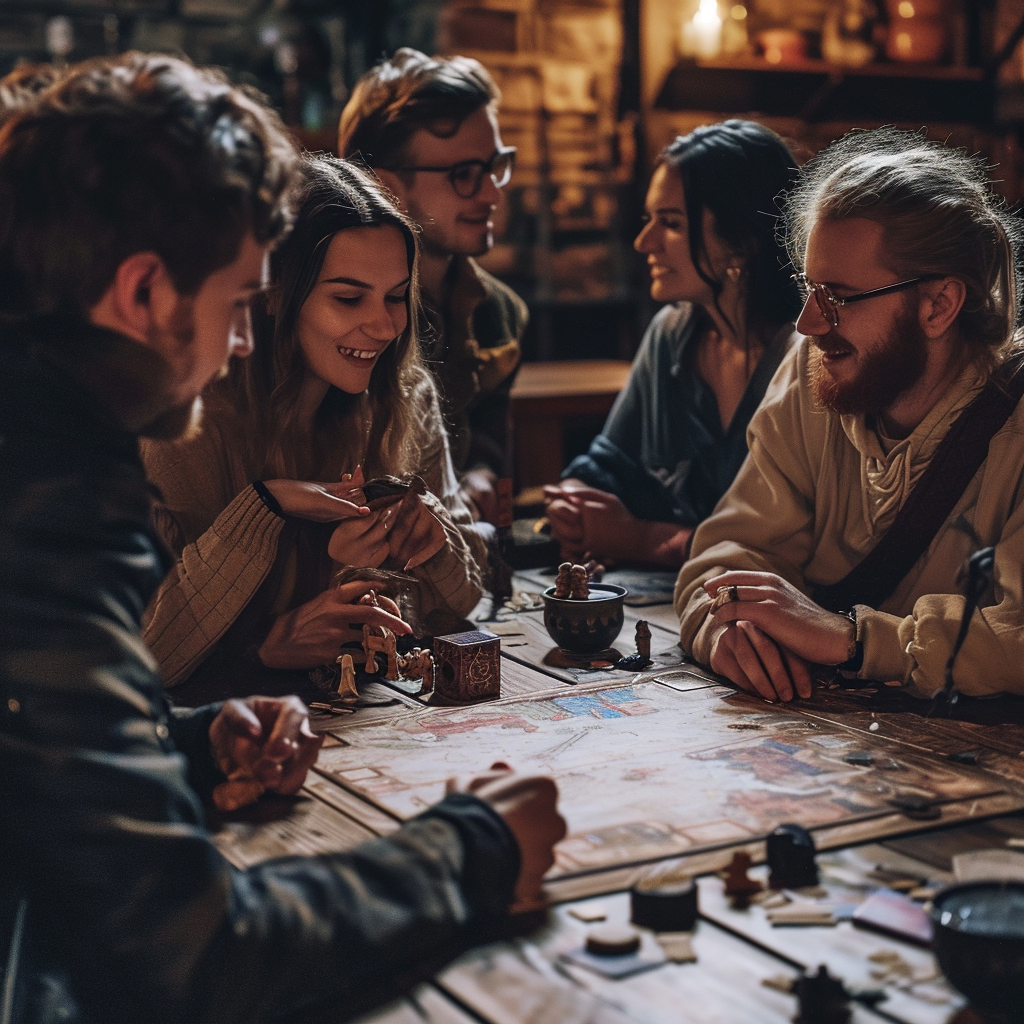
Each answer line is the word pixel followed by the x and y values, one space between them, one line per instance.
pixel 427 671
pixel 579 585
pixel 643 640
pixel 562 585
pixel 822 998
pixel 347 682
pixel 739 886
pixel 418 664
pixel 380 639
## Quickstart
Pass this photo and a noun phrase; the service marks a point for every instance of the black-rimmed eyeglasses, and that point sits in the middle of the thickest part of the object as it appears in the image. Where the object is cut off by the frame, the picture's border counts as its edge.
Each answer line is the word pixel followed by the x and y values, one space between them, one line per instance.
pixel 829 303
pixel 467 176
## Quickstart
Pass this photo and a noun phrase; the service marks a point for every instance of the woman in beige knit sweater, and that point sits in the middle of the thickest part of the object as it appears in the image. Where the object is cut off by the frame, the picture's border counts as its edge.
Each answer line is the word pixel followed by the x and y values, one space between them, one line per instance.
pixel 263 503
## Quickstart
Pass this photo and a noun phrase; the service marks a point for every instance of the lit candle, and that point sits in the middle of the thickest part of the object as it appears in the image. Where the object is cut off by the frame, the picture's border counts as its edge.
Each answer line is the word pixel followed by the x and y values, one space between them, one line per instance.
pixel 702 34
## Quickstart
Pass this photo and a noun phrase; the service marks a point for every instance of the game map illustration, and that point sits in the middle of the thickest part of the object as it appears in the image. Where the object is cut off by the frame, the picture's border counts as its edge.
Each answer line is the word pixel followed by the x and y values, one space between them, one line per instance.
pixel 646 771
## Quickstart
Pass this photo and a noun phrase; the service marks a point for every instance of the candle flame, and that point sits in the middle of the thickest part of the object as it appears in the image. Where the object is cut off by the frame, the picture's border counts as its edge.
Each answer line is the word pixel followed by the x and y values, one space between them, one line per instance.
pixel 707 13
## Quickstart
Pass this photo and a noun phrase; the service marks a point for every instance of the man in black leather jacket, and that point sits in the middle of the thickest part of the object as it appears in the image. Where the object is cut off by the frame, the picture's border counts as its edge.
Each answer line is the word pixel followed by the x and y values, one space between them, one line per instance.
pixel 138 199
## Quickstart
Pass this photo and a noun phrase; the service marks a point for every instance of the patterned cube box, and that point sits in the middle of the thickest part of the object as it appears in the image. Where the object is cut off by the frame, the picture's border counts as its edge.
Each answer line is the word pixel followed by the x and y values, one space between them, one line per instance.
pixel 468 667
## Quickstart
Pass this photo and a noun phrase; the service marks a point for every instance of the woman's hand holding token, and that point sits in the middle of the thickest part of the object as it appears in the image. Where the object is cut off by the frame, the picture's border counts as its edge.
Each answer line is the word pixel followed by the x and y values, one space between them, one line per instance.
pixel 415 534
pixel 313 633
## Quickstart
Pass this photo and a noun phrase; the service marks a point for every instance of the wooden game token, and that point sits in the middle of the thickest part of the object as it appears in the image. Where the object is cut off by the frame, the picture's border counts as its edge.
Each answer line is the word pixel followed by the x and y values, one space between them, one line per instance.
pixel 589 912
pixel 613 940
pixel 664 906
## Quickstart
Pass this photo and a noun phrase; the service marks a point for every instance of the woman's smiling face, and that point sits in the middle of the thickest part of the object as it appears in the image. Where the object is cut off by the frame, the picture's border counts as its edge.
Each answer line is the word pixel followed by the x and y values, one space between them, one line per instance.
pixel 358 306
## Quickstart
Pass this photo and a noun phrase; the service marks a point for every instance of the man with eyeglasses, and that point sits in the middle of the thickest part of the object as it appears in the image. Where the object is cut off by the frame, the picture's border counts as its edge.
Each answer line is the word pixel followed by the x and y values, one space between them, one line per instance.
pixel 887 451
pixel 428 129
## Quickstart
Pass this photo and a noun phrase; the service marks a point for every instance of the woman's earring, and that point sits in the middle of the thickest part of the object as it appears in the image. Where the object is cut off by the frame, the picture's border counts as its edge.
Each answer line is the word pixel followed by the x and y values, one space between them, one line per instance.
pixel 734 272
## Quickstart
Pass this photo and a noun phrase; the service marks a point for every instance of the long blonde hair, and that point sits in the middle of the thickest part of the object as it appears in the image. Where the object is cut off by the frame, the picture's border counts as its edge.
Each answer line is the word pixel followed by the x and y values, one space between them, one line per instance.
pixel 384 429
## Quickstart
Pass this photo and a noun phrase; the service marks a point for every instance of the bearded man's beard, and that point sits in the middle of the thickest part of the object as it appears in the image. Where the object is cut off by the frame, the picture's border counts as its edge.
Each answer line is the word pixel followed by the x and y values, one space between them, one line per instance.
pixel 884 373
pixel 178 419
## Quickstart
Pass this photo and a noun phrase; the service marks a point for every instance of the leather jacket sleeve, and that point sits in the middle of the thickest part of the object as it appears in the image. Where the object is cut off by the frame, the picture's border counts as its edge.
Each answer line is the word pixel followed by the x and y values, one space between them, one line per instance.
pixel 104 831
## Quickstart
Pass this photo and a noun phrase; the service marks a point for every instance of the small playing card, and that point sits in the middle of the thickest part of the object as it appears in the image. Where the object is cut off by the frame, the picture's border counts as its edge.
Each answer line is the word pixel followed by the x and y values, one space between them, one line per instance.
pixel 643 959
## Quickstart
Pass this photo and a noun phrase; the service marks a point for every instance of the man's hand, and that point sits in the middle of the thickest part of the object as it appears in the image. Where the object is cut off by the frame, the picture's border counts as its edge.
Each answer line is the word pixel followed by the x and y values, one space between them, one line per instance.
pixel 415 534
pixel 261 743
pixel 479 491
pixel 785 614
pixel 313 633
pixel 528 803
pixel 754 662
pixel 320 503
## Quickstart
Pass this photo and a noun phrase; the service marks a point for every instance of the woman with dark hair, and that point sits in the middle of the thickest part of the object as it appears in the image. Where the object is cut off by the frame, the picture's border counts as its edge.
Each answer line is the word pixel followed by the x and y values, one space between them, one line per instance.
pixel 264 503
pixel 676 436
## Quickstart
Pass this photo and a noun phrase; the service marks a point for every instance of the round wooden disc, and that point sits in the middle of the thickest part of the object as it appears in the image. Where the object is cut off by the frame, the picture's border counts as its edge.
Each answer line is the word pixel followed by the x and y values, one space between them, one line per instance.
pixel 613 940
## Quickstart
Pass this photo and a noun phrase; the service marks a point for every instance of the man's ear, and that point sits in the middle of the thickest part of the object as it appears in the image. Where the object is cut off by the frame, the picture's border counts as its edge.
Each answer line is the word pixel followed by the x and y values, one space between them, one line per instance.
pixel 140 297
pixel 941 302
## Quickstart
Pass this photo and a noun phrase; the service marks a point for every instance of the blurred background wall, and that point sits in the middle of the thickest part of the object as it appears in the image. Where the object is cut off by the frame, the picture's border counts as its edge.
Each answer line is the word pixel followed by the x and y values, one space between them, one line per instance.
pixel 592 90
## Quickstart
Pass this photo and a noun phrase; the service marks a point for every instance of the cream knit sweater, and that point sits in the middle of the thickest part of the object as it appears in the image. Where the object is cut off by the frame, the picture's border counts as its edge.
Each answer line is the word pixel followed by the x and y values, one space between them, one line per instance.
pixel 227 542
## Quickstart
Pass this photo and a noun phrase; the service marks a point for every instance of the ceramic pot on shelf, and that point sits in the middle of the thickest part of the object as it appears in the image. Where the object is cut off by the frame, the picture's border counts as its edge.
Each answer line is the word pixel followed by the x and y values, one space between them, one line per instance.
pixel 850 33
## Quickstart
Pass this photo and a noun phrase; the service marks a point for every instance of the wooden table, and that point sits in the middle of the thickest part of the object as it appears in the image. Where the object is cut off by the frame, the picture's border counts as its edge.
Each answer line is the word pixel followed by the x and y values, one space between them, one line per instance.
pixel 524 979
pixel 545 397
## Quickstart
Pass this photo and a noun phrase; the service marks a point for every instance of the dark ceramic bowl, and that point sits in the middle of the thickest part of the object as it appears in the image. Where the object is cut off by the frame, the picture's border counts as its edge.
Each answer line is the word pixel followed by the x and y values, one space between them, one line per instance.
pixel 585 627
pixel 979 946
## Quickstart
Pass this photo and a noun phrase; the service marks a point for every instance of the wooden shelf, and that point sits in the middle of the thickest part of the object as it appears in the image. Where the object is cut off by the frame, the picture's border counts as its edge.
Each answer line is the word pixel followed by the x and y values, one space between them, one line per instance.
pixel 816 91
pixel 929 72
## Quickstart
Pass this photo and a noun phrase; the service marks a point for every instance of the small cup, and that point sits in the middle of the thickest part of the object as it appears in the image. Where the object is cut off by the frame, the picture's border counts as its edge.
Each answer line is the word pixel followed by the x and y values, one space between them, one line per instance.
pixel 585 627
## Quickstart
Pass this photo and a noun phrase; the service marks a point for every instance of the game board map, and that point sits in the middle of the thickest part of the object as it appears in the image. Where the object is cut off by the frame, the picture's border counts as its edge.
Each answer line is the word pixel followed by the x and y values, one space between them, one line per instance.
pixel 648 772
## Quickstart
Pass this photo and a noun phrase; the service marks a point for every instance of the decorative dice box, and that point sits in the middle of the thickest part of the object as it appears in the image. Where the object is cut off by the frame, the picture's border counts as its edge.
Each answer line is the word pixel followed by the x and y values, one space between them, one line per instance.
pixel 468 667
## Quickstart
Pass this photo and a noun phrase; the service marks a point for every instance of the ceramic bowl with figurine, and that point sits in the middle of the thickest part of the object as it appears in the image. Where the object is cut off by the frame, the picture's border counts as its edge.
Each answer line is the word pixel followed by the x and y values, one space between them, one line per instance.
pixel 979 945
pixel 582 627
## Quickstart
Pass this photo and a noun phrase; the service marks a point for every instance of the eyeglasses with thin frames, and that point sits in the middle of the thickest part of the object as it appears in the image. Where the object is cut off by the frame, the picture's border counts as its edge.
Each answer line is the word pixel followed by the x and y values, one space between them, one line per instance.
pixel 829 303
pixel 467 176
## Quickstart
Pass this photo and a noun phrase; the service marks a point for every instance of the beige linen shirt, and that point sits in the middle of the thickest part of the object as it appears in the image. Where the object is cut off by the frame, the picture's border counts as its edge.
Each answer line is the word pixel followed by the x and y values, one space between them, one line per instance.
pixel 818 491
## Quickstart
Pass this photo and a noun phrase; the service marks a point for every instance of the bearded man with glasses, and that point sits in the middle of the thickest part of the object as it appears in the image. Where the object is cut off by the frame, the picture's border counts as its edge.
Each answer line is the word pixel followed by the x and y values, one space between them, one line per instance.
pixel 887 450
pixel 428 128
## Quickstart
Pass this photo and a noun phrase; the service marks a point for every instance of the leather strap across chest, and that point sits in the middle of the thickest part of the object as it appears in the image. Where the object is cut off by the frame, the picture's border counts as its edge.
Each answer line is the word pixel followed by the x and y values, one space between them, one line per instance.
pixel 955 463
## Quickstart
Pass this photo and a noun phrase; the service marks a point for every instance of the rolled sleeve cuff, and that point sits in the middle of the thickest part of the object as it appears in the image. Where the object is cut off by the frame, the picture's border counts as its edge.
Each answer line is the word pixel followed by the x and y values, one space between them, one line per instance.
pixel 885 657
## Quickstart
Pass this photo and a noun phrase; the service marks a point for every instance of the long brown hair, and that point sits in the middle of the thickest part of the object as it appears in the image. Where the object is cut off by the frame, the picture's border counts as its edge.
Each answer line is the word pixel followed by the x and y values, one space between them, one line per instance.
pixel 383 429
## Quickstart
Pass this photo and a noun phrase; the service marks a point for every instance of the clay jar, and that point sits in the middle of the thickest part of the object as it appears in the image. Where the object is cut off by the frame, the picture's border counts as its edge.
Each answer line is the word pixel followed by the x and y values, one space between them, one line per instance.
pixel 918 31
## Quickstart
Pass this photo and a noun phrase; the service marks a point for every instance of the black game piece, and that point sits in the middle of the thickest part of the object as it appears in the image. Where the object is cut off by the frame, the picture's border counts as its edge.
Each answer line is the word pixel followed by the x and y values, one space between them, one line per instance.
pixel 920 808
pixel 632 663
pixel 790 855
pixel 664 906
pixel 822 998
pixel 861 758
